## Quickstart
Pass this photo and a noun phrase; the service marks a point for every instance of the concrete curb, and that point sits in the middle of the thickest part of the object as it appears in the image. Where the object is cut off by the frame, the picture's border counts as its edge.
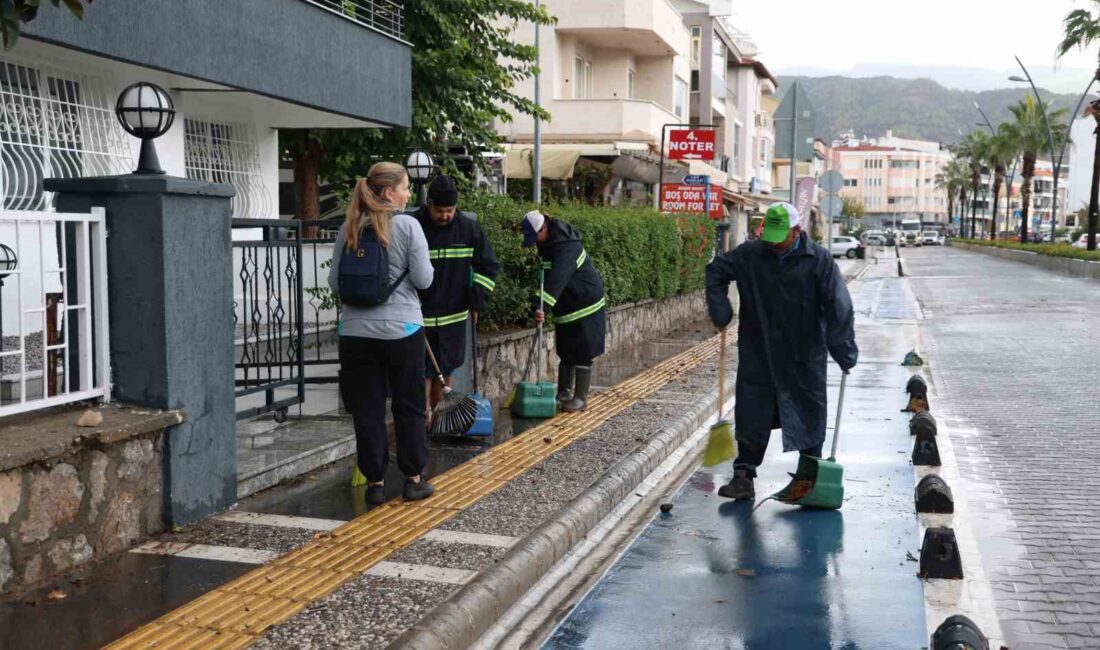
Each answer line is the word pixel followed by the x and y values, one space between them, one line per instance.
pixel 461 620
pixel 1074 268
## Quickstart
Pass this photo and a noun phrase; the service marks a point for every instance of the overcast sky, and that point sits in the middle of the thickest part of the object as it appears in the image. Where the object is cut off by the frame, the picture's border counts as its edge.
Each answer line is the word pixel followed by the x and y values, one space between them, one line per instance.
pixel 841 34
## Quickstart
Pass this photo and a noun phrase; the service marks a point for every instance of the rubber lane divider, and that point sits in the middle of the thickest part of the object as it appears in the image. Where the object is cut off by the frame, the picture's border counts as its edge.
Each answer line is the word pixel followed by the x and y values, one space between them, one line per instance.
pixel 237 613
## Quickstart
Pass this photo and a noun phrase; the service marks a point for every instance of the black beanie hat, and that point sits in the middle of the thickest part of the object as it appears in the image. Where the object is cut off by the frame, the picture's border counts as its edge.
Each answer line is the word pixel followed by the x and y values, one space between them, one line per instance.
pixel 442 192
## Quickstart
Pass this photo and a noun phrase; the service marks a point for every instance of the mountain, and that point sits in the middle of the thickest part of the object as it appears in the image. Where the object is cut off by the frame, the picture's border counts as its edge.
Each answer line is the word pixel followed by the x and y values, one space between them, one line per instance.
pixel 1062 79
pixel 912 108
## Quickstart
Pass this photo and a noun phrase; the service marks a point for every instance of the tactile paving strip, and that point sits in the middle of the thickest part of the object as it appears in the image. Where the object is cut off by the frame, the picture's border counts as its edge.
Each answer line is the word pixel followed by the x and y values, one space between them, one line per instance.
pixel 237 613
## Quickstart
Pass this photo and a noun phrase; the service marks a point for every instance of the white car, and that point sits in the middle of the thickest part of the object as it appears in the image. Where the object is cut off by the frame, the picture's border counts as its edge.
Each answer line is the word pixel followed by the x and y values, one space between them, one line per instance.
pixel 1083 240
pixel 846 247
pixel 930 239
pixel 874 240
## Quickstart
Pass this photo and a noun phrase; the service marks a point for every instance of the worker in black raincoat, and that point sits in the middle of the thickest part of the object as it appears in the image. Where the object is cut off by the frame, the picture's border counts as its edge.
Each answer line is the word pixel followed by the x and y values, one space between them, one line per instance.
pixel 795 312
pixel 574 291
pixel 465 276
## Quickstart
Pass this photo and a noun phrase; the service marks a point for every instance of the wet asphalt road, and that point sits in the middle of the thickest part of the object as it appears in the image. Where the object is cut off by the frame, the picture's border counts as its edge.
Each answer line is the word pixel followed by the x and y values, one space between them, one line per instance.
pixel 1015 357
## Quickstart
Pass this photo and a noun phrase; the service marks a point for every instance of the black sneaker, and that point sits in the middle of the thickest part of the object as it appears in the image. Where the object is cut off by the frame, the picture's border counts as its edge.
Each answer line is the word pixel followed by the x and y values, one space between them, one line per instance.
pixel 376 494
pixel 740 488
pixel 417 491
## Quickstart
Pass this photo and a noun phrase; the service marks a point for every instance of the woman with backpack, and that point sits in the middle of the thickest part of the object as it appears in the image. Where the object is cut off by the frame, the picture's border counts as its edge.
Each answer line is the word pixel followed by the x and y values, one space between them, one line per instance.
pixel 379 261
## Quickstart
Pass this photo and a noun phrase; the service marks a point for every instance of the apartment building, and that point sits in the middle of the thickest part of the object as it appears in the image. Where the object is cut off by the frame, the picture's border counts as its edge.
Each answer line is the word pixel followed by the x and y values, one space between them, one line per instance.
pixel 1042 201
pixel 613 73
pixel 893 177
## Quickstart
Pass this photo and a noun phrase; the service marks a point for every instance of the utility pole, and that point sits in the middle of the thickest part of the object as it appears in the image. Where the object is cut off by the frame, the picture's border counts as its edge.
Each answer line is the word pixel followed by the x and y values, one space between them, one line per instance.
pixel 794 139
pixel 536 167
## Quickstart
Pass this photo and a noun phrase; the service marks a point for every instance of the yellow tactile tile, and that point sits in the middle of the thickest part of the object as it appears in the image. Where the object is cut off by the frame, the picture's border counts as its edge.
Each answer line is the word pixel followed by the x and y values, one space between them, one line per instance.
pixel 236 614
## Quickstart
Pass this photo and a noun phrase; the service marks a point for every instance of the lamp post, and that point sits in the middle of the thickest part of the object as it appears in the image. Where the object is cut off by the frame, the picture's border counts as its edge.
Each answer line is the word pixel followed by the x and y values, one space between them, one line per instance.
pixel 536 166
pixel 146 111
pixel 985 122
pixel 8 263
pixel 421 168
pixel 1056 162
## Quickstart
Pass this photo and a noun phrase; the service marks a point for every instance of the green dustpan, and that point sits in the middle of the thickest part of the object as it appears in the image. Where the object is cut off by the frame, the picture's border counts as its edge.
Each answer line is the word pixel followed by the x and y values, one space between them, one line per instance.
pixel 826 476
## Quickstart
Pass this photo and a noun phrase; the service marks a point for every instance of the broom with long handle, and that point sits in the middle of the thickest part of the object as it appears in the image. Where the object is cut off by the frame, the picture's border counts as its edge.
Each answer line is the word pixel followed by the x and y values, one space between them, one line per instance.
pixel 720 447
pixel 456 412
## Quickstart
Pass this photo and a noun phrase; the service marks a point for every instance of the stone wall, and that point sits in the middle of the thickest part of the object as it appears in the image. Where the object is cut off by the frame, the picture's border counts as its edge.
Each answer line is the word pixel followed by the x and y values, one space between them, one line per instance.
pixel 70 494
pixel 503 358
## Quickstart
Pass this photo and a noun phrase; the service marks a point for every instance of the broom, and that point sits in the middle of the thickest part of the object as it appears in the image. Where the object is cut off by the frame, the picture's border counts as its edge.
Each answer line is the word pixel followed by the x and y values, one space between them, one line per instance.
pixel 720 446
pixel 456 412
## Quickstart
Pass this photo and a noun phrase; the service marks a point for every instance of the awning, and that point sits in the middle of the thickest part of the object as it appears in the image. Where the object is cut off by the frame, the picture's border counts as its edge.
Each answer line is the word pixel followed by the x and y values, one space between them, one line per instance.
pixel 734 197
pixel 636 168
pixel 557 164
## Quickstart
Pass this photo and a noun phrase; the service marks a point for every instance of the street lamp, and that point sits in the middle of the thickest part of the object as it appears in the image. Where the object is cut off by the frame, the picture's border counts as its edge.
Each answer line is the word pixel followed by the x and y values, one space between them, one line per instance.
pixel 8 263
pixel 421 168
pixel 1056 162
pixel 146 111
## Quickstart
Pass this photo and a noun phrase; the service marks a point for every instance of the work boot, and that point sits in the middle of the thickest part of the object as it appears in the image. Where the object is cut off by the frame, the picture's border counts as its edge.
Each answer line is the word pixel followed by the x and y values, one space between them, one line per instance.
pixel 376 494
pixel 580 390
pixel 416 490
pixel 565 384
pixel 740 487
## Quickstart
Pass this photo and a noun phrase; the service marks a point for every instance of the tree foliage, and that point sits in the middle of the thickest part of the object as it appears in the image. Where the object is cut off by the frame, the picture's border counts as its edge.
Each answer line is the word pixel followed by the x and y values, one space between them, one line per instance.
pixel 1030 134
pixel 852 207
pixel 15 13
pixel 465 66
pixel 1082 29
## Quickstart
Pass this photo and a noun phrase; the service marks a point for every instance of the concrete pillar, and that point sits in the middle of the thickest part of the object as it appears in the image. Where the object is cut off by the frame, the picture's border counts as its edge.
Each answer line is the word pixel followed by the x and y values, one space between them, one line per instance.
pixel 170 294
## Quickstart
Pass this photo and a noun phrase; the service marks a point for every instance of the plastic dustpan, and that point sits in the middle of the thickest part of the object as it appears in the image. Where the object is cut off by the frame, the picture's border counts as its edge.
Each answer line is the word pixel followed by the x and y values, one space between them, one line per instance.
pixel 817 483
pixel 483 421
pixel 535 399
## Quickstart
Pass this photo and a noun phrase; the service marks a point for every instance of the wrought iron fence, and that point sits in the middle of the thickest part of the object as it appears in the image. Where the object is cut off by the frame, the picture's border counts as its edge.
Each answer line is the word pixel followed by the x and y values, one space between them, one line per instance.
pixel 267 315
pixel 385 16
pixel 53 309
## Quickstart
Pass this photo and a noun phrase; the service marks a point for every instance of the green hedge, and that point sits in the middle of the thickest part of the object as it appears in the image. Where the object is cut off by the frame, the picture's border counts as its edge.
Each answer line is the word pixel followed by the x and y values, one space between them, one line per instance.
pixel 1054 250
pixel 639 253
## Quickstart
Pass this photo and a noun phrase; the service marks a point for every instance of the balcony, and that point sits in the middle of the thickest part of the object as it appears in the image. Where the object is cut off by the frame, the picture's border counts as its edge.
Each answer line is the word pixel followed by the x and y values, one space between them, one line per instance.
pixel 606 119
pixel 643 27
pixel 385 16
pixel 295 52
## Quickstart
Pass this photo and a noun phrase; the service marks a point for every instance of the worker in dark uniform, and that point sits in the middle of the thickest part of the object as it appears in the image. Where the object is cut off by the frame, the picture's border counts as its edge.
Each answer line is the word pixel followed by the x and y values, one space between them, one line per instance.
pixel 795 313
pixel 574 291
pixel 465 274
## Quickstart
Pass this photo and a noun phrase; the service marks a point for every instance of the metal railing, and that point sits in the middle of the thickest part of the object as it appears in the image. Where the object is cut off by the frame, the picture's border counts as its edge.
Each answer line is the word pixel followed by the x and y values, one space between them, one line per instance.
pixel 267 315
pixel 386 16
pixel 284 316
pixel 54 347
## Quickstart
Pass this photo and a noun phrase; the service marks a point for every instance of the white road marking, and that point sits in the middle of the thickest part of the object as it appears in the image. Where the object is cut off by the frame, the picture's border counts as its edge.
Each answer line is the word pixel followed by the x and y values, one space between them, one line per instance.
pixel 207 552
pixel 476 539
pixel 280 521
pixel 387 569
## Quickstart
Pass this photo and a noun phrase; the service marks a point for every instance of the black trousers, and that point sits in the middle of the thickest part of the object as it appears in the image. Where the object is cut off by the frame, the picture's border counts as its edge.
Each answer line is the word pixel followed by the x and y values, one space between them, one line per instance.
pixel 449 345
pixel 749 457
pixel 367 368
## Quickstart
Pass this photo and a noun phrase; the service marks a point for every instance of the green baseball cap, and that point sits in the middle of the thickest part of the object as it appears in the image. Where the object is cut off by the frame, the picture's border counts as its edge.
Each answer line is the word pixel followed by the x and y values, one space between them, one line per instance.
pixel 778 222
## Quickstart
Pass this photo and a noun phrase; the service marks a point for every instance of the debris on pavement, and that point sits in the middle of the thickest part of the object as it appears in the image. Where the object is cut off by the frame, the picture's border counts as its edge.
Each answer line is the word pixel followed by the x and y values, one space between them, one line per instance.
pixel 90 418
pixel 666 508
pixel 912 359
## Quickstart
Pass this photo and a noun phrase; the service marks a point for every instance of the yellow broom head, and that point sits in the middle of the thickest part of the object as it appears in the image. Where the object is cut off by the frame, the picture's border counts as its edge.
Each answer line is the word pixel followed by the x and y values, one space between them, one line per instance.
pixel 720 444
pixel 357 477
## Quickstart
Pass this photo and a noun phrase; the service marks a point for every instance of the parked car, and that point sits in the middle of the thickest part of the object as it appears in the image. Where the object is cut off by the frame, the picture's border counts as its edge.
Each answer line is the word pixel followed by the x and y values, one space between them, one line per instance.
pixel 1083 241
pixel 891 238
pixel 875 240
pixel 845 246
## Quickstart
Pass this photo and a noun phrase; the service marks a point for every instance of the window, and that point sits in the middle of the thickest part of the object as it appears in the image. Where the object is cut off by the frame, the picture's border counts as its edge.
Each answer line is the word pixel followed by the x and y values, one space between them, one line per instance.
pixel 849 182
pixel 588 79
pixel 679 99
pixel 54 123
pixel 578 78
pixel 228 153
pixel 737 146
pixel 904 164
pixel 696 46
pixel 718 71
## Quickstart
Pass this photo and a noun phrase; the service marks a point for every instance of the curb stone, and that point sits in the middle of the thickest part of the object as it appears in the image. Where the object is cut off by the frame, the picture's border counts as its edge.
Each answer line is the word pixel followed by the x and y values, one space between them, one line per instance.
pixel 460 621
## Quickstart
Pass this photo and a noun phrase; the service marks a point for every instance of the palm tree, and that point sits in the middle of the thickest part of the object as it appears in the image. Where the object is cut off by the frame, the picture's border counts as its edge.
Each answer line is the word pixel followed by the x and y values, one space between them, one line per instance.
pixel 1028 132
pixel 974 149
pixel 1082 29
pixel 952 179
pixel 1001 152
